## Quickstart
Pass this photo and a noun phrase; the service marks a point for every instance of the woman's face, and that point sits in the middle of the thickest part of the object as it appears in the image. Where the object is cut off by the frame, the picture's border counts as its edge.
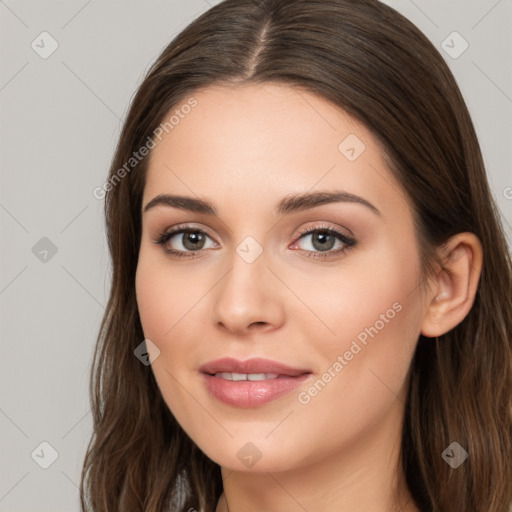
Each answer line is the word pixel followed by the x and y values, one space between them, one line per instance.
pixel 309 260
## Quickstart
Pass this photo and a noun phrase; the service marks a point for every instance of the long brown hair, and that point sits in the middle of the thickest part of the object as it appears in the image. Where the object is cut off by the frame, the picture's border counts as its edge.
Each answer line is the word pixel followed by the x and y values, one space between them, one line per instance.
pixel 372 62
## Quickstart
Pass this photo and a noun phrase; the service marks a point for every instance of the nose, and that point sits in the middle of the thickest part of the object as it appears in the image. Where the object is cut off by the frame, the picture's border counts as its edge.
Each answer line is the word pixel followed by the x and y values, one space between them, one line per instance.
pixel 248 298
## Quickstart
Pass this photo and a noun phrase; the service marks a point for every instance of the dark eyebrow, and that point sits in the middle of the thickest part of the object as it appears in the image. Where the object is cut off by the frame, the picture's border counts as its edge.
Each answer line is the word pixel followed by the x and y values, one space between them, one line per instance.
pixel 300 202
pixel 183 203
pixel 287 205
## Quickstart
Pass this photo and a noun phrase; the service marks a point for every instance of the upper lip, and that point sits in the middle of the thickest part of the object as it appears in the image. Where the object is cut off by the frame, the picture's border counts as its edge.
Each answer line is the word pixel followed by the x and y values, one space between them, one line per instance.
pixel 254 365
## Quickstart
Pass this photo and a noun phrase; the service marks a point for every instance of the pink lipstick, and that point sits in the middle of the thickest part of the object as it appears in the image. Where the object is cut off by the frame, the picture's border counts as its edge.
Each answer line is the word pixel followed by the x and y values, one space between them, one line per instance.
pixel 250 383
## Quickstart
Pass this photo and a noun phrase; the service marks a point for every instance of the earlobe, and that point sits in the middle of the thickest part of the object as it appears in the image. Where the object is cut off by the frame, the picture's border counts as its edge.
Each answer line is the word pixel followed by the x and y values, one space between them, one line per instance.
pixel 454 287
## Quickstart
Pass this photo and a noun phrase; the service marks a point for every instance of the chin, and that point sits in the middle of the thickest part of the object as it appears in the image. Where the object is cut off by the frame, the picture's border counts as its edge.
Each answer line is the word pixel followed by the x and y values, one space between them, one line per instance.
pixel 254 455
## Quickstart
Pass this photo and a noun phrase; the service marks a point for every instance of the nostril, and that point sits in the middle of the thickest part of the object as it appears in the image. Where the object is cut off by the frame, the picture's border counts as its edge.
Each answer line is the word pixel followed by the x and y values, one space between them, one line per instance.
pixel 255 324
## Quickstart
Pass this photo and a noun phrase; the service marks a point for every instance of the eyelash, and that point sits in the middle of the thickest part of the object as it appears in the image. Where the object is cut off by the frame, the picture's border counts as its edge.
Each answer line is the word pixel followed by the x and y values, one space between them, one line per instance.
pixel 165 236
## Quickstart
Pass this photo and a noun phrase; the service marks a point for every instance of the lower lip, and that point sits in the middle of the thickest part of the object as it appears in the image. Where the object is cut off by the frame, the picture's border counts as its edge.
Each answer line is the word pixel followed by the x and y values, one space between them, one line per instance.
pixel 246 394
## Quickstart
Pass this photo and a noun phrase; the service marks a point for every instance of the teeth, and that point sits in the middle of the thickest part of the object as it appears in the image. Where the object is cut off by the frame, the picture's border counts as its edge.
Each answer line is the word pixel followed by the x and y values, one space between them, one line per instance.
pixel 246 376
pixel 262 376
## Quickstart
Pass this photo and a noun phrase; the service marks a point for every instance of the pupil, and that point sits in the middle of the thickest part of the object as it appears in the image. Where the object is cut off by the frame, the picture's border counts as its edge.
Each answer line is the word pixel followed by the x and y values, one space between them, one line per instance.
pixel 193 240
pixel 323 241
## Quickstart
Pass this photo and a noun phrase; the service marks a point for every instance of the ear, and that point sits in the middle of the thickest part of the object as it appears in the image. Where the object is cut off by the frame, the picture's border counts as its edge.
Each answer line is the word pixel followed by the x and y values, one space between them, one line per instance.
pixel 453 289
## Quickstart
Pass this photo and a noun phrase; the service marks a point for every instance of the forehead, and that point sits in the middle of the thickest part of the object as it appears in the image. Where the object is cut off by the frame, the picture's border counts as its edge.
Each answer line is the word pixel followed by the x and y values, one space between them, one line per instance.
pixel 258 141
pixel 258 121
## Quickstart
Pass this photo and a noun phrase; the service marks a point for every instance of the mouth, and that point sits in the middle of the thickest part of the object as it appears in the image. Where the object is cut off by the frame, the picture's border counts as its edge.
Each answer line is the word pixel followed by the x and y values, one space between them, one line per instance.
pixel 250 383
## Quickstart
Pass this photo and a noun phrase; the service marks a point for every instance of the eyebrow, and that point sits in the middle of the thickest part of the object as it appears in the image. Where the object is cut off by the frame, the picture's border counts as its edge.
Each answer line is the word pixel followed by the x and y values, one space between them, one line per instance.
pixel 287 205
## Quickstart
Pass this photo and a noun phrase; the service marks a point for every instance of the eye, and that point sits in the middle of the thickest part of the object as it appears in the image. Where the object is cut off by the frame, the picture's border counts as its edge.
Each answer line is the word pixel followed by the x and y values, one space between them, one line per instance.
pixel 322 242
pixel 184 239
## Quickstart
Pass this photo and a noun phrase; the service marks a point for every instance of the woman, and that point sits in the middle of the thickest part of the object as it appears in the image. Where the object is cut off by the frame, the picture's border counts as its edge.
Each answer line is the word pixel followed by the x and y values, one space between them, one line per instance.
pixel 311 290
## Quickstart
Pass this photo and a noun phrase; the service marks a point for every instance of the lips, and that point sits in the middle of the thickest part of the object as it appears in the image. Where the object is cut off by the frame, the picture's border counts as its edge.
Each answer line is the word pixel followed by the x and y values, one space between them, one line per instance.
pixel 250 366
pixel 250 383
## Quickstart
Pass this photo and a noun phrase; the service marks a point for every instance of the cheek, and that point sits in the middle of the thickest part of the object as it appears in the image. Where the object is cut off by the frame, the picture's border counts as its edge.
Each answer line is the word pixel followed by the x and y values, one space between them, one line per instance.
pixel 171 309
pixel 151 300
pixel 374 316
pixel 165 295
pixel 163 314
pixel 374 296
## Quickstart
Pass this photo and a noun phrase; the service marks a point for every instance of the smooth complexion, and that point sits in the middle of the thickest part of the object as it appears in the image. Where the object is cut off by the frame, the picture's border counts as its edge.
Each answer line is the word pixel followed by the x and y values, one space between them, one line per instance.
pixel 244 150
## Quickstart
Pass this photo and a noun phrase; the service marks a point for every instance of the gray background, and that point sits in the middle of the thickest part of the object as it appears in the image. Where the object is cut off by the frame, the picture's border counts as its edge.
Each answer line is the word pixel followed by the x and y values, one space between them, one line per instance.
pixel 60 119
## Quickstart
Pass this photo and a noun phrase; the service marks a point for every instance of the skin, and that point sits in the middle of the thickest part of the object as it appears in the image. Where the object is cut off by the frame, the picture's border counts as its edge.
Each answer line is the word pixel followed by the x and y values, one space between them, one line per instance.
pixel 244 148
